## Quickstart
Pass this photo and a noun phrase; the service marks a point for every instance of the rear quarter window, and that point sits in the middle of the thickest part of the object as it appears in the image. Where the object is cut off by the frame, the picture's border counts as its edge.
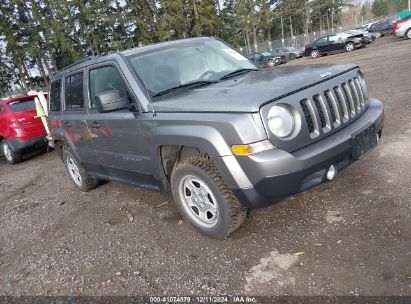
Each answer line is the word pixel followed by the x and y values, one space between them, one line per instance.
pixel 55 96
pixel 21 106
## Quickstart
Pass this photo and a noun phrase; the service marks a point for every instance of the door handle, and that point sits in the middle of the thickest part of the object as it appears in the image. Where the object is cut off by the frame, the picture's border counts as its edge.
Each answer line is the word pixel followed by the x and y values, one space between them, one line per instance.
pixel 94 125
pixel 67 124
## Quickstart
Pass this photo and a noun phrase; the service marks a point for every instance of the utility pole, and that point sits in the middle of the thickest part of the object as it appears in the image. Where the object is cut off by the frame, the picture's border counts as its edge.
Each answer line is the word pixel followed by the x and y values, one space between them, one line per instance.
pixel 409 5
pixel 282 29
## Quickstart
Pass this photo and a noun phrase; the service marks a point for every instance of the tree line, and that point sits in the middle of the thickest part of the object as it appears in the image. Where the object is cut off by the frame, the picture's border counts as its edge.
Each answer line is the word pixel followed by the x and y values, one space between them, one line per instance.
pixel 46 35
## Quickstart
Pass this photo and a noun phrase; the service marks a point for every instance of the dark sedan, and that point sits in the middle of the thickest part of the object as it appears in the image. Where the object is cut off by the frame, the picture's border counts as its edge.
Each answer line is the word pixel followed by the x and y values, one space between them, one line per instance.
pixel 382 27
pixel 265 59
pixel 333 44
pixel 289 53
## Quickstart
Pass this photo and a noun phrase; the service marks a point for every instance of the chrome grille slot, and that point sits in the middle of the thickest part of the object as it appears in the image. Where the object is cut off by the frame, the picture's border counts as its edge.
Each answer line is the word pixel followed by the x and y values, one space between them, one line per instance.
pixel 310 117
pixel 320 110
pixel 355 95
pixel 348 96
pixel 360 92
pixel 343 103
pixel 334 107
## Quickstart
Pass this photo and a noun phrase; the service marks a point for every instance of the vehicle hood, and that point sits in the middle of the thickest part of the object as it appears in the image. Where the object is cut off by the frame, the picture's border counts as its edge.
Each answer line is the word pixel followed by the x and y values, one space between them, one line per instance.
pixel 248 92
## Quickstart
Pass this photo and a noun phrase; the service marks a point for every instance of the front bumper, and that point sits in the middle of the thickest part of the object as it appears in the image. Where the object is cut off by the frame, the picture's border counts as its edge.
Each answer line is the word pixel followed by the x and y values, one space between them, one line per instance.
pixel 18 144
pixel 275 174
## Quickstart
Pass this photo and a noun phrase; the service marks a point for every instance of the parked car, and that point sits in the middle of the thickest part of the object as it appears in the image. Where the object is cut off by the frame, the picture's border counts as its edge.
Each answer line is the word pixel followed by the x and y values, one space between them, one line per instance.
pixel 290 53
pixel 266 59
pixel 20 129
pixel 365 26
pixel 402 27
pixel 196 118
pixel 383 27
pixel 364 40
pixel 370 37
pixel 332 44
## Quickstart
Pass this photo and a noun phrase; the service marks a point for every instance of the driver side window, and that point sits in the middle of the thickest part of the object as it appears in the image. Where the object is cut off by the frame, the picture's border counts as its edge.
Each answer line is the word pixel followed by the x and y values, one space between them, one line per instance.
pixel 333 39
pixel 105 79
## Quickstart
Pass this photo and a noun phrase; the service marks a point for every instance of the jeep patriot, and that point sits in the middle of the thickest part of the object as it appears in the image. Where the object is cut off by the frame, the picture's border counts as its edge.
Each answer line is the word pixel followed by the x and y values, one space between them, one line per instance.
pixel 196 118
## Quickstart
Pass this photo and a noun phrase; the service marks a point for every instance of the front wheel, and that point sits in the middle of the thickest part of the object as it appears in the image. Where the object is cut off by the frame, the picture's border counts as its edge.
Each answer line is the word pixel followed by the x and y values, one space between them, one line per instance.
pixel 271 63
pixel 408 34
pixel 293 56
pixel 204 199
pixel 349 47
pixel 12 157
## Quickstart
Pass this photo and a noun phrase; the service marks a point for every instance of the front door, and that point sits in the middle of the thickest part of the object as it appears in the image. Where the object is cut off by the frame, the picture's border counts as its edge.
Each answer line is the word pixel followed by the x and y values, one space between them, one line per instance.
pixel 335 43
pixel 322 45
pixel 120 139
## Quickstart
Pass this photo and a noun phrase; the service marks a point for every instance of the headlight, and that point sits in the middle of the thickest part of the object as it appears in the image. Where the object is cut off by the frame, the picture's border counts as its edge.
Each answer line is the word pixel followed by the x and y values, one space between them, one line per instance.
pixel 363 85
pixel 281 121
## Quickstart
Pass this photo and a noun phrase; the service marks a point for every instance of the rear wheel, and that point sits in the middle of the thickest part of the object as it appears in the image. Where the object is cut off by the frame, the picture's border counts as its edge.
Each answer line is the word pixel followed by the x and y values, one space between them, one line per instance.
pixel 12 157
pixel 293 56
pixel 408 34
pixel 315 54
pixel 204 199
pixel 78 174
pixel 349 47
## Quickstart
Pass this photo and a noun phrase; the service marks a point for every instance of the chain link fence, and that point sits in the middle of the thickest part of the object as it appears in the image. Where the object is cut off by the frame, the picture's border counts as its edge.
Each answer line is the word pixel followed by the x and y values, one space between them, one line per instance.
pixel 299 41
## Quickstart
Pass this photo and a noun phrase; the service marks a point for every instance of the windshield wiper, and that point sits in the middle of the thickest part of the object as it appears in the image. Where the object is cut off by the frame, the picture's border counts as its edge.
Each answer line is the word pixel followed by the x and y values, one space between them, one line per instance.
pixel 236 72
pixel 185 85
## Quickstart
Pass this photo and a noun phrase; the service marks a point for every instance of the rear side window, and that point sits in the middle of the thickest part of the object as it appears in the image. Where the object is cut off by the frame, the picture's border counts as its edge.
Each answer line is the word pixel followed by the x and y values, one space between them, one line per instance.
pixel 74 94
pixel 21 106
pixel 105 79
pixel 55 96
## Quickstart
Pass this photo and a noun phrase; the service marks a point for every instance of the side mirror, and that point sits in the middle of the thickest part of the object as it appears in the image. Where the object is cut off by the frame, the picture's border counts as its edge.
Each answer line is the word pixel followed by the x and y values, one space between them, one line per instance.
pixel 111 101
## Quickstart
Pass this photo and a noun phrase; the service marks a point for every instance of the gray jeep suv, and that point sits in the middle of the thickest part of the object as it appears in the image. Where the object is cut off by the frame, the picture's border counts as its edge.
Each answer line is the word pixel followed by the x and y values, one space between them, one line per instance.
pixel 196 118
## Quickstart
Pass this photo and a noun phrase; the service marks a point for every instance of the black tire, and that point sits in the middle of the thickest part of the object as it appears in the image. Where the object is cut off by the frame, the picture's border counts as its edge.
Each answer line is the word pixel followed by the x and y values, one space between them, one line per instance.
pixel 349 47
pixel 408 34
pixel 85 182
pixel 230 213
pixel 11 156
pixel 293 56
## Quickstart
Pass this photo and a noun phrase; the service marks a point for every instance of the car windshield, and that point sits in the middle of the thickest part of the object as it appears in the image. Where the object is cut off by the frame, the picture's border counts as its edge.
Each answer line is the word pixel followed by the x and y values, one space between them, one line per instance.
pixel 181 64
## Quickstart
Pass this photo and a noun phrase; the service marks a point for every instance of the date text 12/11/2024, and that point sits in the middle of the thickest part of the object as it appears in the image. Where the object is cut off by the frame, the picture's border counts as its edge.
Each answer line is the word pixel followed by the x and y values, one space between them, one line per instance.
pixel 203 299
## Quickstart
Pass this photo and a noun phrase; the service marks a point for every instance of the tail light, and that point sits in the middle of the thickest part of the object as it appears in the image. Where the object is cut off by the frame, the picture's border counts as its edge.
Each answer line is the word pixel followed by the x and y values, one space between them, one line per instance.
pixel 397 23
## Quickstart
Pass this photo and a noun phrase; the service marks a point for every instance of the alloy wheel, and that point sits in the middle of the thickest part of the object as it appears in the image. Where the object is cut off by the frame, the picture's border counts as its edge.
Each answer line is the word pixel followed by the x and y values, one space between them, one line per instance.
pixel 349 47
pixel 199 201
pixel 74 170
pixel 7 152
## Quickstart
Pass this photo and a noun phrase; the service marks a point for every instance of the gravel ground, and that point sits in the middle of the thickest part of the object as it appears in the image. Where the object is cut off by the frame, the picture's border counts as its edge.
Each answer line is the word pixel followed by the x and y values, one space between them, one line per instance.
pixel 350 236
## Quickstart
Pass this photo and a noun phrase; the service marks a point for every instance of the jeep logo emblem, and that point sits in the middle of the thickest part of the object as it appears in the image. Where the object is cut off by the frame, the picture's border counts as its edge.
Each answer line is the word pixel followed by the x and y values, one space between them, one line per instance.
pixel 325 75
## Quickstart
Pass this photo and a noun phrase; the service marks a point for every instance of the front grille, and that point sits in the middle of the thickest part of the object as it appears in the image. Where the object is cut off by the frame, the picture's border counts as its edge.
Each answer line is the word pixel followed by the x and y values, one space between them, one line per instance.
pixel 333 108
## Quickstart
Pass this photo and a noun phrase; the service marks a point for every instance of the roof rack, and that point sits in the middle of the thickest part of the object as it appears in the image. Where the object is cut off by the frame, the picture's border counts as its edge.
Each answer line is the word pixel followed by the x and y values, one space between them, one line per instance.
pixel 77 62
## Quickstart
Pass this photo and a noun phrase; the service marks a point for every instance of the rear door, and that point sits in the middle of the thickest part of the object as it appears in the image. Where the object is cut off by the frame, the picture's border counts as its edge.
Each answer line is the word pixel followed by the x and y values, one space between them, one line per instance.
pixel 121 139
pixel 74 121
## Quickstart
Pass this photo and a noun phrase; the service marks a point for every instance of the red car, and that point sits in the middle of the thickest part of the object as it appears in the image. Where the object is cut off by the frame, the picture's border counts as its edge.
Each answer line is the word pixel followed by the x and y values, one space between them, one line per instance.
pixel 20 128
